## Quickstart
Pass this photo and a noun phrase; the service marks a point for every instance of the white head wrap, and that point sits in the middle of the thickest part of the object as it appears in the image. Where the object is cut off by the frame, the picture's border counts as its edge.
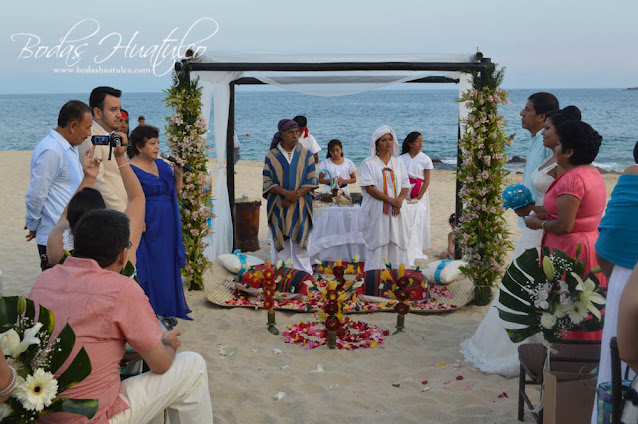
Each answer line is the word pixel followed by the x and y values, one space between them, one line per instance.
pixel 380 132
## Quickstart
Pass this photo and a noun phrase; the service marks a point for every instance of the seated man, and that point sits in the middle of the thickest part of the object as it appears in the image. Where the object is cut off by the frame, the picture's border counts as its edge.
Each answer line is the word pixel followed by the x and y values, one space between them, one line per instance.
pixel 106 310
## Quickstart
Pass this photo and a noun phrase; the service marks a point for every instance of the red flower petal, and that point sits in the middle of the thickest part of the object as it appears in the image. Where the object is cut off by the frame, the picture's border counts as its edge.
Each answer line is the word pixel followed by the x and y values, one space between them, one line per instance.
pixel 459 378
pixel 424 382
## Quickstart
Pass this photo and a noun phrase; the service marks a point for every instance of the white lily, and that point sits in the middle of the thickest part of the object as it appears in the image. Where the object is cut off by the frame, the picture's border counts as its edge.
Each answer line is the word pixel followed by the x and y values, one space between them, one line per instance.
pixel 548 268
pixel 355 259
pixel 588 296
pixel 11 344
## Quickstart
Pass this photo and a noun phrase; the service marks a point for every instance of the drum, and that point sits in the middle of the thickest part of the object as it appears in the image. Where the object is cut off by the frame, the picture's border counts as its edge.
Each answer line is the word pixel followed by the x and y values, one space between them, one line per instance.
pixel 247 224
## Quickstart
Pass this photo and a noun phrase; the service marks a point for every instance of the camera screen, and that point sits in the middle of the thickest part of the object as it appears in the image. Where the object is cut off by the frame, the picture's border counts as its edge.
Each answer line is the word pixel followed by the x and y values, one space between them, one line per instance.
pixel 100 140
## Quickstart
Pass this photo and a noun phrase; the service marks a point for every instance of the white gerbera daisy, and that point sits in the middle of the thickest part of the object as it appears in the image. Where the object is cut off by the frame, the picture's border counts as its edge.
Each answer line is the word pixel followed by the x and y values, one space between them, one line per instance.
pixel 577 312
pixel 560 311
pixel 37 391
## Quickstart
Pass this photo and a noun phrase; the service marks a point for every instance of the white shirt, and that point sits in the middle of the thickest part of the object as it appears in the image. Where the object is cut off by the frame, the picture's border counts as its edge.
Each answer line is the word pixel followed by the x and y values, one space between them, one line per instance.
pixel 344 170
pixel 416 166
pixel 56 173
pixel 287 155
pixel 236 139
pixel 310 143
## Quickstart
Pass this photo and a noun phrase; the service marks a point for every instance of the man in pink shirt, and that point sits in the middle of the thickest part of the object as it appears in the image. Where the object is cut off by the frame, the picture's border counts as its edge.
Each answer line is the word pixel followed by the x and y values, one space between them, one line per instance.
pixel 107 310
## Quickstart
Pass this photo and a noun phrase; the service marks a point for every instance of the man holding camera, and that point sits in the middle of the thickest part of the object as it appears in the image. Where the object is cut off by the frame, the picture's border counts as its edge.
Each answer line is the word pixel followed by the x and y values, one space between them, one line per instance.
pixel 107 310
pixel 56 171
pixel 106 105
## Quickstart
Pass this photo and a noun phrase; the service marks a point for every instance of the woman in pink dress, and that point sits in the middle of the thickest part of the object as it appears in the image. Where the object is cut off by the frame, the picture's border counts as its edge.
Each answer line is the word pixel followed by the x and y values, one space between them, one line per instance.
pixel 575 201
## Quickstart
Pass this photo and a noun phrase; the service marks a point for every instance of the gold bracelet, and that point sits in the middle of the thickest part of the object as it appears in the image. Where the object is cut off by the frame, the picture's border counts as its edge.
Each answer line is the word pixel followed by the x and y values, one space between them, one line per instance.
pixel 124 164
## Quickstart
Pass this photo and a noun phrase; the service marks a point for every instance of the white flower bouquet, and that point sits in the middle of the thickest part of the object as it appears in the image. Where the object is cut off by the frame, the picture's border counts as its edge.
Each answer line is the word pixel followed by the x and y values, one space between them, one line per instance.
pixel 550 295
pixel 35 357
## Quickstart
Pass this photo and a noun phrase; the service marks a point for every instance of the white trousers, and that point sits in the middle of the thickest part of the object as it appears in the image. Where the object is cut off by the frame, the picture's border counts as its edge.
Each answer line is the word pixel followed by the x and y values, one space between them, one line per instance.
pixel 182 390
pixel 300 256
pixel 617 281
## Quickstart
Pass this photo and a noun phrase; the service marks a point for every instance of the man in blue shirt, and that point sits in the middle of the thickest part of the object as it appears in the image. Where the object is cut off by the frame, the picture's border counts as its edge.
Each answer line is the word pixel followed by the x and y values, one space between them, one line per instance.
pixel 56 171
pixel 533 120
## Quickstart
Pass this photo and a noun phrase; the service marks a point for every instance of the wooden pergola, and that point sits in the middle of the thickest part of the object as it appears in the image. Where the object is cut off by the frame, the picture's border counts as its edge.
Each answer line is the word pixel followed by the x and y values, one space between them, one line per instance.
pixel 478 64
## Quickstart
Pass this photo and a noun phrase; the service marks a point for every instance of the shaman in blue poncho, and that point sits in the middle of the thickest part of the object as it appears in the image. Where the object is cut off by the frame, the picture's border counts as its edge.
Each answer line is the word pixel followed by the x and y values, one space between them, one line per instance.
pixel 289 176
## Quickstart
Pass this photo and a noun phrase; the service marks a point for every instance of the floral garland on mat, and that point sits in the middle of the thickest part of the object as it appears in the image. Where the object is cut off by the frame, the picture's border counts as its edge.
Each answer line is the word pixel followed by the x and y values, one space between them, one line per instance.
pixel 34 360
pixel 335 330
pixel 185 135
pixel 482 227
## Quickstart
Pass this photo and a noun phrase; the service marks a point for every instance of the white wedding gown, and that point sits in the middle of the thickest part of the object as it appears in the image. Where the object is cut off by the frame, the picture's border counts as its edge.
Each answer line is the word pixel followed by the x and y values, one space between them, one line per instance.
pixel 490 348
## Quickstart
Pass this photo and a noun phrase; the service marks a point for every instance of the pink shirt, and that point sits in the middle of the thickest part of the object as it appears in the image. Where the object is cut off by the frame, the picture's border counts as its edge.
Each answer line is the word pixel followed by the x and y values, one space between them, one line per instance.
pixel 106 310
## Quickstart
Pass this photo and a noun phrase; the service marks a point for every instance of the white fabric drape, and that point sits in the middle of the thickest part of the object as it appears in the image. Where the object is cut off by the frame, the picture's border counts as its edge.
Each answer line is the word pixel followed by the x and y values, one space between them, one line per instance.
pixel 330 84
pixel 215 86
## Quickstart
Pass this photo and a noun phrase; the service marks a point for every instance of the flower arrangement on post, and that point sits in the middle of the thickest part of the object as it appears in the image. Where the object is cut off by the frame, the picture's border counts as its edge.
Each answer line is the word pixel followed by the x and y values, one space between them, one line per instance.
pixel 399 292
pixel 332 292
pixel 268 291
pixel 185 135
pixel 552 298
pixel 335 293
pixel 482 227
pixel 25 343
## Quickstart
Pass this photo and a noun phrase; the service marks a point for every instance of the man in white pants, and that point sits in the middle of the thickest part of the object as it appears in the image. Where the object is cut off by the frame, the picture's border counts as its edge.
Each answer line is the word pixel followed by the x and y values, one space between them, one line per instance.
pixel 289 177
pixel 107 310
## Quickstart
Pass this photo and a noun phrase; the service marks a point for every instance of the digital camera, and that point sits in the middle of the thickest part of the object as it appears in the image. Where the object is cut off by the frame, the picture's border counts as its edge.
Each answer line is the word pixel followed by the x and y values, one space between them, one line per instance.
pixel 113 140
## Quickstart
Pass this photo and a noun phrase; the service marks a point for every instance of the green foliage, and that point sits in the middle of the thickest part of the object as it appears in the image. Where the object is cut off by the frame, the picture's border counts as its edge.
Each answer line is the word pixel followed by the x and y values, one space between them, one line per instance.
pixel 185 135
pixel 482 227
pixel 19 314
pixel 551 297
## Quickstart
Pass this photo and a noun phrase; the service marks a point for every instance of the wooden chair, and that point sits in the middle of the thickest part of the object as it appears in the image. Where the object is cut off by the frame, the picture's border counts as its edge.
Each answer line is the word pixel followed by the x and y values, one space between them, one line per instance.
pixel 571 356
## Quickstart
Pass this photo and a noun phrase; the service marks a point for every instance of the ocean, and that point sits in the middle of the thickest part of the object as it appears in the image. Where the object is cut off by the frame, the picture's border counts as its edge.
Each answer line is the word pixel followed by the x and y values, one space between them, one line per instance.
pixel 26 119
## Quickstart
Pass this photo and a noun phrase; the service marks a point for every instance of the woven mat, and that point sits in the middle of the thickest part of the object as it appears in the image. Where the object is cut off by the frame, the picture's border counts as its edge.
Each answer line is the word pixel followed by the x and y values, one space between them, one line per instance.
pixel 443 299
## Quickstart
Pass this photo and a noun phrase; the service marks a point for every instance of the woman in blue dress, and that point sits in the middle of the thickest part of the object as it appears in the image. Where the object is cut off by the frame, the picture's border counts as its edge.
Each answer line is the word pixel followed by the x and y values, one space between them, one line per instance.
pixel 160 255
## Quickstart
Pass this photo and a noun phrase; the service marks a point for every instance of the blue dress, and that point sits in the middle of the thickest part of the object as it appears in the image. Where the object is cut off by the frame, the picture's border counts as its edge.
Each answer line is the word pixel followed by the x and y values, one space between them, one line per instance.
pixel 160 254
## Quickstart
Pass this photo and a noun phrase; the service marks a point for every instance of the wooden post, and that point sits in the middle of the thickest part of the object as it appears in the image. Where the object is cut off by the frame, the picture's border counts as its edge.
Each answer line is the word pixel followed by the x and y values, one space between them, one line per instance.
pixel 230 157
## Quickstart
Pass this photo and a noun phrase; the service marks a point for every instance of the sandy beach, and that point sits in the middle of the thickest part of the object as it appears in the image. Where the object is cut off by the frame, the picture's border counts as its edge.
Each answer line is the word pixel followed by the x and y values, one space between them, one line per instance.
pixel 247 366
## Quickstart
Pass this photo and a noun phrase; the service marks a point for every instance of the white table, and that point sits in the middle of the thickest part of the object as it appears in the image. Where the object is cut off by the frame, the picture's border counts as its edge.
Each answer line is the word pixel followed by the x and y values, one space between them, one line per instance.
pixel 337 233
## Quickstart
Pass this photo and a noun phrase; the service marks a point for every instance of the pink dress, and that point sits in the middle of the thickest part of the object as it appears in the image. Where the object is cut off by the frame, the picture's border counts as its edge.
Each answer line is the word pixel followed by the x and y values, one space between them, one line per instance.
pixel 587 185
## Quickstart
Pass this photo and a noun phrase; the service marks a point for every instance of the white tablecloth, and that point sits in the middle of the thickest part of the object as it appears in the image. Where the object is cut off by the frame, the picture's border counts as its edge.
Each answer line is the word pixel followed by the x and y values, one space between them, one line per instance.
pixel 337 234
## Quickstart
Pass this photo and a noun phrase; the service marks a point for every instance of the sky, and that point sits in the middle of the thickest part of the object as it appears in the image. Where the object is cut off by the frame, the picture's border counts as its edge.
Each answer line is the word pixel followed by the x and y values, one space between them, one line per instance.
pixel 49 48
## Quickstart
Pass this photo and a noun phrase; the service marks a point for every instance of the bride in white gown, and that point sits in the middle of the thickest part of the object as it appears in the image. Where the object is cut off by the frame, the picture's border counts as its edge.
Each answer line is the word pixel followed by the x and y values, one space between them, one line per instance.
pixel 490 348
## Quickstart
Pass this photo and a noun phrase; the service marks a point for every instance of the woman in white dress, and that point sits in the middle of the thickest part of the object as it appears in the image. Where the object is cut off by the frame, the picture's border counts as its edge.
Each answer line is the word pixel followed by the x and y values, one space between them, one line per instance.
pixel 418 166
pixel 490 348
pixel 341 171
pixel 384 188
